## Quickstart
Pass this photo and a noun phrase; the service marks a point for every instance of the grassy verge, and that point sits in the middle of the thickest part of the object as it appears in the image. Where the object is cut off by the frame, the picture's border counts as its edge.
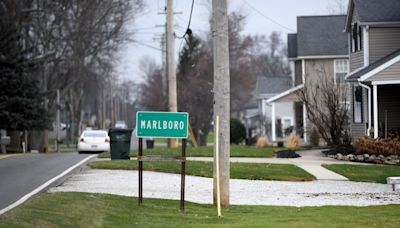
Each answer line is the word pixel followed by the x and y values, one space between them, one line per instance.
pixel 236 151
pixel 282 172
pixel 365 173
pixel 101 210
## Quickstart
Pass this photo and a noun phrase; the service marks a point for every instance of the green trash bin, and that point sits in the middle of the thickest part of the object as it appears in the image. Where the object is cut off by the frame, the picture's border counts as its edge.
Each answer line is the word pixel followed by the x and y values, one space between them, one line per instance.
pixel 120 143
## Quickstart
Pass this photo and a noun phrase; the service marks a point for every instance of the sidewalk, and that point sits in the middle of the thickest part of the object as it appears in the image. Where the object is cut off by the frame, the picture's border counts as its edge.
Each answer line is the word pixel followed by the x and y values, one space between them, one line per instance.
pixel 310 161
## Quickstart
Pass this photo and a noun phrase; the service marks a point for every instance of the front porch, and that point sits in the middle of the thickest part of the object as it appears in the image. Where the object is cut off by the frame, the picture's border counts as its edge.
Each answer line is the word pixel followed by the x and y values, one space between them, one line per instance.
pixel 299 117
pixel 376 97
pixel 386 108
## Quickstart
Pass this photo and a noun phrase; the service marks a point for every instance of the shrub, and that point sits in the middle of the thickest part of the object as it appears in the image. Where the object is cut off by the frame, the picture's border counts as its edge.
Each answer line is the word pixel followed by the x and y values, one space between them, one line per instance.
pixel 314 137
pixel 293 141
pixel 238 131
pixel 367 145
pixel 262 142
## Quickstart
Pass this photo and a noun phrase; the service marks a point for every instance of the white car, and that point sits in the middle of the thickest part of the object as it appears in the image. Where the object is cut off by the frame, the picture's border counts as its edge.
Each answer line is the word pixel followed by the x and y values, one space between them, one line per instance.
pixel 94 141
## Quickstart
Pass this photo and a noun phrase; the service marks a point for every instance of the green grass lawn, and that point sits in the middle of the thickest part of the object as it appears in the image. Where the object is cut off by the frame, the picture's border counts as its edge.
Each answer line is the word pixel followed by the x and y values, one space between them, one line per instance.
pixel 282 172
pixel 210 137
pixel 365 173
pixel 236 151
pixel 101 210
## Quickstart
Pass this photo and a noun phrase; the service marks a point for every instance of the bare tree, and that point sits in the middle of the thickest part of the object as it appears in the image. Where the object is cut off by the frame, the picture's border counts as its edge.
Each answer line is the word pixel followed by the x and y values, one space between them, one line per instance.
pixel 270 55
pixel 241 60
pixel 326 104
pixel 151 94
pixel 74 45
pixel 337 7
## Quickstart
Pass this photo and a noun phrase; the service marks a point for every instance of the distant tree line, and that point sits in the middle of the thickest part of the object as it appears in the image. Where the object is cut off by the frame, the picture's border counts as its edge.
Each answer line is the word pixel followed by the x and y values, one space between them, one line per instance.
pixel 66 45
pixel 248 55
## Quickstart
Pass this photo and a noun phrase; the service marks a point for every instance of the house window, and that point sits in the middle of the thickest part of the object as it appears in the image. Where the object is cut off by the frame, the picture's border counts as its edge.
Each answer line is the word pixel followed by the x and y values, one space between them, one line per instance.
pixel 341 70
pixel 357 99
pixel 356 38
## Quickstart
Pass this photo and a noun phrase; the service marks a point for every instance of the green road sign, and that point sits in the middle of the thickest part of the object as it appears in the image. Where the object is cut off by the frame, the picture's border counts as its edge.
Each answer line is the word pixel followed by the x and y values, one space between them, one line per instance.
pixel 162 124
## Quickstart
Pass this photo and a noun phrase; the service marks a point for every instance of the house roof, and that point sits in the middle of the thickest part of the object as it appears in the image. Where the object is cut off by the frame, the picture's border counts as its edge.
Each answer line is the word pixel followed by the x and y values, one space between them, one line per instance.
pixel 357 74
pixel 320 36
pixel 373 11
pixel 272 85
pixel 287 96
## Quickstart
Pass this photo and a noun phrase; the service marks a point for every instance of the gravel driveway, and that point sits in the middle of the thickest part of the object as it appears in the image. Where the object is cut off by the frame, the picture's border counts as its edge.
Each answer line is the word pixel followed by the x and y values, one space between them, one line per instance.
pixel 243 192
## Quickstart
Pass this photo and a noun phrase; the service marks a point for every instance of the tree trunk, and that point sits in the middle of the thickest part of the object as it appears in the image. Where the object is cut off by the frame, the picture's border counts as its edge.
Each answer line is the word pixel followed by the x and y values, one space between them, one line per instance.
pixel 36 141
pixel 202 139
pixel 15 141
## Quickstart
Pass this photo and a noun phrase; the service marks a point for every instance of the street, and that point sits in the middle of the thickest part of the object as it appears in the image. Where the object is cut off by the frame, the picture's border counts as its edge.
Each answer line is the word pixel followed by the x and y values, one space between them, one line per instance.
pixel 20 175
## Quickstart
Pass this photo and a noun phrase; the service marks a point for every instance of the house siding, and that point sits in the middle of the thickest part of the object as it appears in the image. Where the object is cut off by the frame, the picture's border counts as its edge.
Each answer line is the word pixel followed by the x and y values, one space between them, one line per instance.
pixel 355 17
pixel 390 73
pixel 358 129
pixel 356 60
pixel 317 68
pixel 389 97
pixel 382 42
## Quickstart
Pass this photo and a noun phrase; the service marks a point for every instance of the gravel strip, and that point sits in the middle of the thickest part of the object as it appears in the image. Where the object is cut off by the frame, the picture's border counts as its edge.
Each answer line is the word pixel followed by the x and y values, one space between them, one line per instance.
pixel 243 192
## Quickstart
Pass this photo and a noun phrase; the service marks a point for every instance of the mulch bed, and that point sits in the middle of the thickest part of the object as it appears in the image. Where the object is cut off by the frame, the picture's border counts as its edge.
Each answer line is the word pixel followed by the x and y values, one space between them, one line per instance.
pixel 287 154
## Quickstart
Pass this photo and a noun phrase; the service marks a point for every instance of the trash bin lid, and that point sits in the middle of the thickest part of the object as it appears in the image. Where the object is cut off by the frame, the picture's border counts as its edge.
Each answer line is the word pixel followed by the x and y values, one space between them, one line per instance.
pixel 119 134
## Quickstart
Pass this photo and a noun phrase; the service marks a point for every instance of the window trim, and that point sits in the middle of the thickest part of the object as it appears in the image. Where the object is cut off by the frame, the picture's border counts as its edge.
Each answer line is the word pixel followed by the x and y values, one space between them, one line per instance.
pixel 335 71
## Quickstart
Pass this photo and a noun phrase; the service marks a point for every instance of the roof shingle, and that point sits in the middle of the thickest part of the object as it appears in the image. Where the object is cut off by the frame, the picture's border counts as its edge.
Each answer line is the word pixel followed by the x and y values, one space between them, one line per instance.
pixel 321 35
pixel 378 10
pixel 272 85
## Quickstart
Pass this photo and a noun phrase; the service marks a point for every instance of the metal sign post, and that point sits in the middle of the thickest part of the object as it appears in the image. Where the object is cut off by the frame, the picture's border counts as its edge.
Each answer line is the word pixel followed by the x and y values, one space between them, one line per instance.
pixel 183 171
pixel 140 171
pixel 162 125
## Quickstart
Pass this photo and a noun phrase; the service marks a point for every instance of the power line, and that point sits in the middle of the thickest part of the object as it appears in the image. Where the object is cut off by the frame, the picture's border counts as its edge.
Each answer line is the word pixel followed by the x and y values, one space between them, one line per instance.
pixel 145 45
pixel 268 18
pixel 188 31
pixel 146 28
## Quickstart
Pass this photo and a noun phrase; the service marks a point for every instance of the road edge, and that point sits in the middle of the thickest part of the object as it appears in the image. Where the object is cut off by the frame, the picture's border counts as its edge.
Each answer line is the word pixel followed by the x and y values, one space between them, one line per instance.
pixel 45 185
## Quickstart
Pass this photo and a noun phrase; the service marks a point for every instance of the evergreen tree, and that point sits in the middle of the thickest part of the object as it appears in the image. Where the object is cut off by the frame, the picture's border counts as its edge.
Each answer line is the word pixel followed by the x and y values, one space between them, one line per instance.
pixel 194 82
pixel 20 97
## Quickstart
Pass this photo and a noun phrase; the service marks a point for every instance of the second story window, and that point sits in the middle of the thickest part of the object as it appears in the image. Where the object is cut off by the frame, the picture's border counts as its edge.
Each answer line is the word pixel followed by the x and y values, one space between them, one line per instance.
pixel 356 38
pixel 341 70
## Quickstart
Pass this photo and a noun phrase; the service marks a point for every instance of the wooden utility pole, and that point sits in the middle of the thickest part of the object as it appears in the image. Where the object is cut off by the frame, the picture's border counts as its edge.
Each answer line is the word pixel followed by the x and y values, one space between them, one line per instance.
pixel 221 96
pixel 172 97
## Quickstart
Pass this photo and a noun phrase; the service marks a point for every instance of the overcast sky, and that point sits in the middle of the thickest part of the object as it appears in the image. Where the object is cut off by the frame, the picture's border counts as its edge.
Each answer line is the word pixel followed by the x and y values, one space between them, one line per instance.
pixel 263 17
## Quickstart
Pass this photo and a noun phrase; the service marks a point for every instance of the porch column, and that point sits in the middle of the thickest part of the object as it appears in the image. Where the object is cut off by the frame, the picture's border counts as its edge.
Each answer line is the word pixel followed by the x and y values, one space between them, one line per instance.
pixel 375 98
pixel 304 123
pixel 273 122
pixel 263 117
pixel 294 118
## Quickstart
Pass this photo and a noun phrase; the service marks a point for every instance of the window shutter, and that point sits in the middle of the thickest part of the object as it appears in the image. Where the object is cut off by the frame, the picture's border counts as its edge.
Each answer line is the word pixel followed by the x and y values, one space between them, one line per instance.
pixel 355 36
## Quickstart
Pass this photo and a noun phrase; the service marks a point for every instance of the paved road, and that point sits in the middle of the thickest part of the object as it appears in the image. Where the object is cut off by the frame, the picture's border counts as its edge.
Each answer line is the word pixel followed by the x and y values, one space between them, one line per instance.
pixel 20 175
